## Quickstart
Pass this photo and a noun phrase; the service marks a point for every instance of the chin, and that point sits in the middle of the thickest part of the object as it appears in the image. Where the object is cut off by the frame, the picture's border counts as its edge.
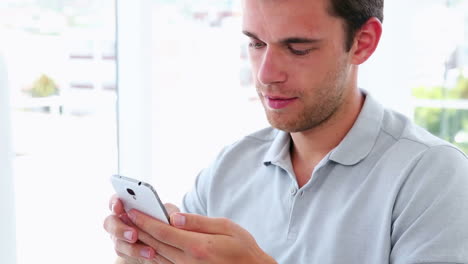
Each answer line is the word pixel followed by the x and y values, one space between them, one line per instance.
pixel 285 126
pixel 293 124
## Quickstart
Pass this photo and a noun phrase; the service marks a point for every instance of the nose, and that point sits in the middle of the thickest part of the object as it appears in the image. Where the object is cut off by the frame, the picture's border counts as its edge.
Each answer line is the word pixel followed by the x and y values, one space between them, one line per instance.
pixel 271 69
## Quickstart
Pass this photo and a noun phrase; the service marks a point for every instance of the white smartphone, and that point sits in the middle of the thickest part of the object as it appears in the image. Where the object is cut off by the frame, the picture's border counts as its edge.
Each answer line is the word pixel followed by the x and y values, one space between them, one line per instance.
pixel 139 195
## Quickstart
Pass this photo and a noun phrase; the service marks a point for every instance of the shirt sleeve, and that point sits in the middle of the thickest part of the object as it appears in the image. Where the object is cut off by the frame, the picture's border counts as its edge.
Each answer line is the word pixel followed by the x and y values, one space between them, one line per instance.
pixel 194 202
pixel 430 216
pixel 197 200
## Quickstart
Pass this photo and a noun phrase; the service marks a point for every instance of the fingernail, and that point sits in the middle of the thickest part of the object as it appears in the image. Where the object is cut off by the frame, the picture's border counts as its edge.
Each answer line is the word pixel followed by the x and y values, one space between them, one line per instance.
pixel 179 220
pixel 128 235
pixel 146 253
pixel 112 207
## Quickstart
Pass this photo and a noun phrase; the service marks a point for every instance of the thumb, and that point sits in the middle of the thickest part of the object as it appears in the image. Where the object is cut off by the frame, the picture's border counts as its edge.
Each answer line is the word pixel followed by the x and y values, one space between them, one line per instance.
pixel 203 224
pixel 171 208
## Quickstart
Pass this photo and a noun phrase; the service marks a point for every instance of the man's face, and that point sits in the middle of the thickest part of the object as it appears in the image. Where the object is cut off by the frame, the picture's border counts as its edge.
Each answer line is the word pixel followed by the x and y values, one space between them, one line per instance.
pixel 299 61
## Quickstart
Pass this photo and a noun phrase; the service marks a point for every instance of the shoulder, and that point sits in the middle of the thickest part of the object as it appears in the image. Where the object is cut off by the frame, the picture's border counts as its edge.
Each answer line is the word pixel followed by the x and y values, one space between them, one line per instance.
pixel 412 137
pixel 427 162
pixel 240 160
pixel 263 136
pixel 232 169
pixel 245 153
pixel 254 144
pixel 413 159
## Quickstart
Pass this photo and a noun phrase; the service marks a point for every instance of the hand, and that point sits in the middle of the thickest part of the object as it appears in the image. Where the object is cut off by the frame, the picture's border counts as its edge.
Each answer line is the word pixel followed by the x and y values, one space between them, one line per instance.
pixel 125 235
pixel 198 239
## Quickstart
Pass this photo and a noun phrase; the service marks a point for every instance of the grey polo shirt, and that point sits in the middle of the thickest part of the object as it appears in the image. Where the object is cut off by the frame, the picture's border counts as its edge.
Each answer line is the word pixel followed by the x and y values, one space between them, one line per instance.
pixel 388 193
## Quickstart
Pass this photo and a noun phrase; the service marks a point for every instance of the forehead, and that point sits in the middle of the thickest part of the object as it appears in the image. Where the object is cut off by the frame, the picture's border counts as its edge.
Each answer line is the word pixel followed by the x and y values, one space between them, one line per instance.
pixel 275 18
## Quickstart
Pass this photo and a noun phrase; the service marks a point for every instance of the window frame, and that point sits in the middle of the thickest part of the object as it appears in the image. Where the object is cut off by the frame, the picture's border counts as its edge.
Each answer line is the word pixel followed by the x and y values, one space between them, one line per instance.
pixel 7 195
pixel 134 95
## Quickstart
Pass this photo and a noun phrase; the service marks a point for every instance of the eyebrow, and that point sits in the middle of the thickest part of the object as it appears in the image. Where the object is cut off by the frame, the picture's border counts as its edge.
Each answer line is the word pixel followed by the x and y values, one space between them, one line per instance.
pixel 291 40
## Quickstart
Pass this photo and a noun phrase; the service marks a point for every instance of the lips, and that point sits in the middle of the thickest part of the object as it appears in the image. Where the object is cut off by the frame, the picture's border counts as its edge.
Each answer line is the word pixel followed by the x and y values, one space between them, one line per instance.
pixel 278 102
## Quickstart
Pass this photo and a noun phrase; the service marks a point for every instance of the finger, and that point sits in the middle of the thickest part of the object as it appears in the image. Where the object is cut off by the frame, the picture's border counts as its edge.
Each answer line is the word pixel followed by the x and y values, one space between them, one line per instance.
pixel 136 250
pixel 162 260
pixel 120 260
pixel 168 252
pixel 117 229
pixel 160 231
pixel 115 205
pixel 126 220
pixel 171 208
pixel 124 259
pixel 203 224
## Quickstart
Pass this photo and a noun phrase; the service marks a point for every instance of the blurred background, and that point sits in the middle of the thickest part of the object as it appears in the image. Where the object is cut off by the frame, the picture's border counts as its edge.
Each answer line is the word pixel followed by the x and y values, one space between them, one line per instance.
pixel 153 89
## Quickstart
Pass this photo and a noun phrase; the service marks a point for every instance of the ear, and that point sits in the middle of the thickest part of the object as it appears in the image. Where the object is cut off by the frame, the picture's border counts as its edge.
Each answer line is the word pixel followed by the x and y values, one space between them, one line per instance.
pixel 366 40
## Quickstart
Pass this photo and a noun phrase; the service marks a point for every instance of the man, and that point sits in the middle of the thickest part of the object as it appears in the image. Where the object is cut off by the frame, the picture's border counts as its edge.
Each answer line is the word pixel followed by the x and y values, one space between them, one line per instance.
pixel 338 179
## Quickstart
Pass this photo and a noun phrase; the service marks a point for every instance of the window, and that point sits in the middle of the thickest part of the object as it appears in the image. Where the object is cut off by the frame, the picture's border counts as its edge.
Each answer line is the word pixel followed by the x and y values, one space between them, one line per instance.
pixel 60 60
pixel 440 84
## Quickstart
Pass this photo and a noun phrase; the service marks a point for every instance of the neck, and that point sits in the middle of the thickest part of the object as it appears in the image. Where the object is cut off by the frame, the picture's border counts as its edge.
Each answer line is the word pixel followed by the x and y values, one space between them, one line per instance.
pixel 309 147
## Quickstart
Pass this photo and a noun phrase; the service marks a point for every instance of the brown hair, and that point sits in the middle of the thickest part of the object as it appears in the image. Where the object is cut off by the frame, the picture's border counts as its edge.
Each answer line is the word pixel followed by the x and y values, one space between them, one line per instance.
pixel 355 13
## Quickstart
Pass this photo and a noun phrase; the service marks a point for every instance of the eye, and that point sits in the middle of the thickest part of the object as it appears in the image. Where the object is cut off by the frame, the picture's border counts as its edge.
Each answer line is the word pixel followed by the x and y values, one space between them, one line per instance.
pixel 300 52
pixel 256 44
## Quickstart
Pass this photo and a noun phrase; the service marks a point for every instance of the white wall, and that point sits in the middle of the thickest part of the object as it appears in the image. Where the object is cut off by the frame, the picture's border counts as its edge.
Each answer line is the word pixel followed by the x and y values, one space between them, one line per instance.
pixel 411 41
pixel 386 75
pixel 7 209
pixel 134 88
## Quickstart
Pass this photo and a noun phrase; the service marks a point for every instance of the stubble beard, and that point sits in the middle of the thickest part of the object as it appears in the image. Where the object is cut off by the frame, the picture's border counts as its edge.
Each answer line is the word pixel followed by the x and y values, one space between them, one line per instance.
pixel 316 110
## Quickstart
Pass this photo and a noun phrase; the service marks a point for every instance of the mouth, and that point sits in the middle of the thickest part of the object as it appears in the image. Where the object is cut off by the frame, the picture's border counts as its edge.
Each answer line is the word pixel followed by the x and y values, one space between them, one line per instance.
pixel 279 102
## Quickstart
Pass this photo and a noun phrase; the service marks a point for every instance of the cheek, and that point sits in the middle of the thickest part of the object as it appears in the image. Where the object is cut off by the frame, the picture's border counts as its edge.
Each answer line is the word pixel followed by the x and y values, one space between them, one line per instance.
pixel 304 75
pixel 313 70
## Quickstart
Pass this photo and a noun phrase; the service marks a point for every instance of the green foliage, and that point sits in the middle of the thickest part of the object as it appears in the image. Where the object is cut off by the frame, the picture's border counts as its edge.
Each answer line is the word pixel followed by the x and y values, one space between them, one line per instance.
pixel 43 87
pixel 444 123
pixel 460 91
pixel 428 118
pixel 462 87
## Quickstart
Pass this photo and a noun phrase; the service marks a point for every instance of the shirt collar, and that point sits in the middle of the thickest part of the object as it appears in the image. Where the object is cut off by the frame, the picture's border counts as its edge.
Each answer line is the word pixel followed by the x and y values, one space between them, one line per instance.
pixel 360 140
pixel 355 146
pixel 279 149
